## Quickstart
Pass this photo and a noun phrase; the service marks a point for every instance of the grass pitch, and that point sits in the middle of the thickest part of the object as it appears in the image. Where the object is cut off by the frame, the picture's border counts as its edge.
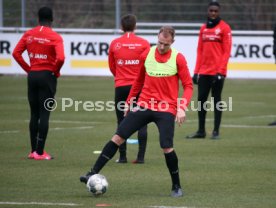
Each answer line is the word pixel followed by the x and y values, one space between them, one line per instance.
pixel 237 171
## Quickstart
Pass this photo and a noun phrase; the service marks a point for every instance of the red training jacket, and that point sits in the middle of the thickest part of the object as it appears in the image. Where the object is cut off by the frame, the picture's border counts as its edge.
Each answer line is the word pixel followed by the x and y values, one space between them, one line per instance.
pixel 214 47
pixel 45 49
pixel 124 58
pixel 156 90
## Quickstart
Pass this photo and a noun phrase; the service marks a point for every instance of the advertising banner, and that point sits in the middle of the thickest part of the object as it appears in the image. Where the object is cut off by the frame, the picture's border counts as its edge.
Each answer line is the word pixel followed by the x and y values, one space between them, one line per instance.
pixel 87 54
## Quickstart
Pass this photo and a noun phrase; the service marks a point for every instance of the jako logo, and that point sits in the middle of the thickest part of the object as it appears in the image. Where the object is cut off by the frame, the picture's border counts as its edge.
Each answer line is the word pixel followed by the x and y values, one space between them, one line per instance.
pixel 127 62
pixel 120 62
pixel 40 56
pixel 131 62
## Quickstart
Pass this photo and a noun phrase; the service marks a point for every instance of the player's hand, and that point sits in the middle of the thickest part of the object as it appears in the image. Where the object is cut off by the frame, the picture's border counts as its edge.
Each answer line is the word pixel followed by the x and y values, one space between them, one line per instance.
pixel 195 79
pixel 180 116
pixel 126 110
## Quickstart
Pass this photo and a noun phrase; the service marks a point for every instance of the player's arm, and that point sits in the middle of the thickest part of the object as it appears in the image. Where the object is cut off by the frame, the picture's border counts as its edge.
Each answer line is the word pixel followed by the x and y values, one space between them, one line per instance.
pixel 274 42
pixel 226 47
pixel 199 52
pixel 60 57
pixel 17 54
pixel 136 87
pixel 186 80
pixel 111 60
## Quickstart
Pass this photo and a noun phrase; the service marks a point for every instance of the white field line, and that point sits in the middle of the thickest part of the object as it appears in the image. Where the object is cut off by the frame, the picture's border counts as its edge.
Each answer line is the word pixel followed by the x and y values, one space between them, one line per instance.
pixel 261 116
pixel 245 126
pixel 188 121
pixel 75 122
pixel 169 207
pixel 40 203
pixel 245 117
pixel 78 128
pixel 9 132
pixel 52 129
pixel 71 122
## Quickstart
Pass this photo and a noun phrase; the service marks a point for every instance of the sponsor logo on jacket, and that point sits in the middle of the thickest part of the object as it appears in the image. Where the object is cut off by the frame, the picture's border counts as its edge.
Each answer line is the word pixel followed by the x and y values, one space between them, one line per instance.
pixel 38 56
pixel 128 62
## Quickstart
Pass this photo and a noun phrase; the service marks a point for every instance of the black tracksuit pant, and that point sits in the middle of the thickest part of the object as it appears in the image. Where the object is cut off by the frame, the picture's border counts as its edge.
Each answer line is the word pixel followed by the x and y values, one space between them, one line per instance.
pixel 207 83
pixel 41 86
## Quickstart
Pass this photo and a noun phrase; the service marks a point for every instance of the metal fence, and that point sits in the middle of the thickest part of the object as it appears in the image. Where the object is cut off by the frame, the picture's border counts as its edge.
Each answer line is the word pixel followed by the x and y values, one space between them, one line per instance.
pixel 105 14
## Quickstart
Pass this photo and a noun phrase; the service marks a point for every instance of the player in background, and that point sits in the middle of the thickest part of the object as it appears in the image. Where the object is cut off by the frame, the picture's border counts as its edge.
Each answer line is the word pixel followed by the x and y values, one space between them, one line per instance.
pixel 124 63
pixel 274 53
pixel 46 53
pixel 274 42
pixel 158 81
pixel 213 52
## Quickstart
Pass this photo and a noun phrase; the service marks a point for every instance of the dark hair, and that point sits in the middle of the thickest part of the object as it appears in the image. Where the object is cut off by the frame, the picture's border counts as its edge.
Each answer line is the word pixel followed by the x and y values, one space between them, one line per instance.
pixel 45 14
pixel 167 30
pixel 214 3
pixel 128 22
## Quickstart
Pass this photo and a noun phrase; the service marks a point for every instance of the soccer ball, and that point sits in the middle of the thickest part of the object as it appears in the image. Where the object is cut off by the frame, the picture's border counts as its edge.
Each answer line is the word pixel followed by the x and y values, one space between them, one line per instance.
pixel 97 184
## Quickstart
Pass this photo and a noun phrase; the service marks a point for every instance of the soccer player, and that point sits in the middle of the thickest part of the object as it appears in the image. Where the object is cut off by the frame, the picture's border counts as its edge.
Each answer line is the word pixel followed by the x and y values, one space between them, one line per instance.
pixel 46 53
pixel 274 42
pixel 124 62
pixel 213 52
pixel 274 53
pixel 158 82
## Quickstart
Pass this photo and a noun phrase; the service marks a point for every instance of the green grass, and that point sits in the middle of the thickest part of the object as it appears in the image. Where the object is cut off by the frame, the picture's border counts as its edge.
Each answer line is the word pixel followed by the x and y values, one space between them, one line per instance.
pixel 237 171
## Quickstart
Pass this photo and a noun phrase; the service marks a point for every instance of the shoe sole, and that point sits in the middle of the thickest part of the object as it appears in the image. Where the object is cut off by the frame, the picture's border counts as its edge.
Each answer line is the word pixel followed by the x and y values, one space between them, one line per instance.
pixel 195 137
pixel 137 162
pixel 121 161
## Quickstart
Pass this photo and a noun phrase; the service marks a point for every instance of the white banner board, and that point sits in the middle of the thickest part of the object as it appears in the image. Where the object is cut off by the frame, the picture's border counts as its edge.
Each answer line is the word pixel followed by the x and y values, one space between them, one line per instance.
pixel 86 55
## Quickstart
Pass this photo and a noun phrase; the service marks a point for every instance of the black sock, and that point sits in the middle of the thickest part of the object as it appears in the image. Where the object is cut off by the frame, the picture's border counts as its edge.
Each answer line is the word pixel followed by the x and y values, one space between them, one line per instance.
pixel 201 120
pixel 142 139
pixel 108 152
pixel 40 146
pixel 172 164
pixel 122 150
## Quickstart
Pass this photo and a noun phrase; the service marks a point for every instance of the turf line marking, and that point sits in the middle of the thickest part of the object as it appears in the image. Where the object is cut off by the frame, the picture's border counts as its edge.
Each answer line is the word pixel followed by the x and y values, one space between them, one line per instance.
pixel 261 116
pixel 245 126
pixel 73 122
pixel 40 203
pixel 9 132
pixel 53 129
pixel 62 128
pixel 169 207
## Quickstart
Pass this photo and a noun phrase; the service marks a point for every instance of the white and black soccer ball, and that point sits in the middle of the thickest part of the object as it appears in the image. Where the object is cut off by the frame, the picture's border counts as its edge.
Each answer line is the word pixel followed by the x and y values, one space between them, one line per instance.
pixel 97 184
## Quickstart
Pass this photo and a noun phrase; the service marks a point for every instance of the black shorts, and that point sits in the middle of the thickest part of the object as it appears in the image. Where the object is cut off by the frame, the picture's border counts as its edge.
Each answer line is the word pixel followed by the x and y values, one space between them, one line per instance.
pixel 140 117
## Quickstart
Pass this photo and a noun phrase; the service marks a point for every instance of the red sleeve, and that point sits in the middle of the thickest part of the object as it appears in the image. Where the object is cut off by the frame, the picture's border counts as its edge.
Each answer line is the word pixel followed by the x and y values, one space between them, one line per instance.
pixel 111 60
pixel 140 79
pixel 60 57
pixel 186 80
pixel 137 85
pixel 226 47
pixel 17 54
pixel 199 52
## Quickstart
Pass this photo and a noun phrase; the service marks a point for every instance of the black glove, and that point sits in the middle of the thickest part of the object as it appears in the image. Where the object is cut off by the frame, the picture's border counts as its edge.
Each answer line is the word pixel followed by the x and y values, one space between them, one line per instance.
pixel 195 79
pixel 218 77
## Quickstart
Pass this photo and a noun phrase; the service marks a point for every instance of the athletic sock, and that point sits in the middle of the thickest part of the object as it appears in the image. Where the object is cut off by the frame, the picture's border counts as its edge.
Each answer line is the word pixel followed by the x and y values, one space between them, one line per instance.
pixel 108 152
pixel 40 145
pixel 142 140
pixel 172 164
pixel 122 150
